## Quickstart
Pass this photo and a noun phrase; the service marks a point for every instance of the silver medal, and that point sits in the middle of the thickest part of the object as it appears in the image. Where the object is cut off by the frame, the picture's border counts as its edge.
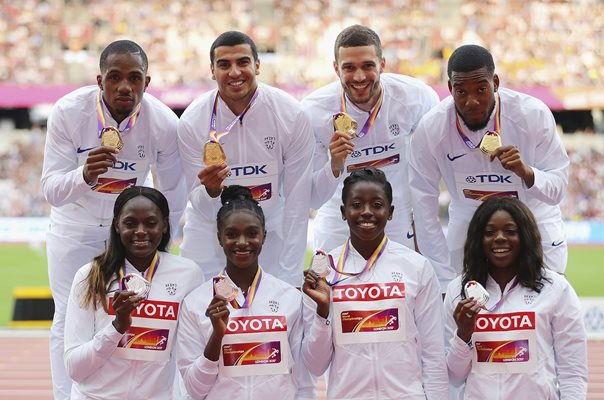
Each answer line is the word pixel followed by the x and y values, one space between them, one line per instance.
pixel 224 289
pixel 320 264
pixel 137 284
pixel 479 293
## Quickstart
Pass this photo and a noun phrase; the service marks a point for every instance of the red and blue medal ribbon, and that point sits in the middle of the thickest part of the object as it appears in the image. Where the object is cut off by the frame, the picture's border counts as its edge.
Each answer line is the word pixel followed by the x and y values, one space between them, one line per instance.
pixel 372 115
pixel 216 137
pixel 497 126
pixel 100 109
pixel 341 275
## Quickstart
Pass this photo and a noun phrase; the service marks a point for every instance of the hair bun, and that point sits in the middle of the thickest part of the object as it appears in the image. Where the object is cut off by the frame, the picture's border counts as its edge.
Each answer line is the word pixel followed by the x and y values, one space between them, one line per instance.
pixel 235 192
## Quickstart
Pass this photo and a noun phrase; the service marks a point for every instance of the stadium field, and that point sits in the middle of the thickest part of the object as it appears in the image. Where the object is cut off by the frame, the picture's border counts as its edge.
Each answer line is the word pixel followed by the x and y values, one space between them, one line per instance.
pixel 23 265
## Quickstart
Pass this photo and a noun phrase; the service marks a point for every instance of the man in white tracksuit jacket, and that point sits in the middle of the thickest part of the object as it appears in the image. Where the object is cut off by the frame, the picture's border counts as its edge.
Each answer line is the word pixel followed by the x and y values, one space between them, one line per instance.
pixel 399 102
pixel 531 164
pixel 82 210
pixel 268 146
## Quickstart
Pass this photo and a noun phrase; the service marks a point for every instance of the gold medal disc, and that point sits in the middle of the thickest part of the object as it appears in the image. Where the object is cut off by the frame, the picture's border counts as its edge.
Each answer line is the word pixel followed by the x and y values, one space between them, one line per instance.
pixel 111 137
pixel 343 122
pixel 490 142
pixel 213 153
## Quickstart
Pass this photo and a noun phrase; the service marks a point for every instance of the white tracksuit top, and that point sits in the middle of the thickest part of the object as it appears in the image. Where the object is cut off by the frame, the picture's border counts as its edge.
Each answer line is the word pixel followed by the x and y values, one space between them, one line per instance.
pixel 437 151
pixel 385 146
pixel 93 354
pixel 543 353
pixel 73 132
pixel 410 362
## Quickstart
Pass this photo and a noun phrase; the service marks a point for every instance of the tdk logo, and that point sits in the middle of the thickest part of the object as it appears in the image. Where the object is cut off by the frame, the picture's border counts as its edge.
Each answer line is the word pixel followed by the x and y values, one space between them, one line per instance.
pixel 248 170
pixel 491 178
pixel 370 151
pixel 124 165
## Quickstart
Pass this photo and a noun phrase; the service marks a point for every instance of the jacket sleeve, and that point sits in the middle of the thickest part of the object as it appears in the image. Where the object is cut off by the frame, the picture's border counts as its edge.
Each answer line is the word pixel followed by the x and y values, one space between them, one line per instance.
pixel 198 373
pixel 317 346
pixel 62 180
pixel 459 354
pixel 425 176
pixel 428 315
pixel 306 382
pixel 551 162
pixel 297 180
pixel 570 344
pixel 85 351
pixel 169 172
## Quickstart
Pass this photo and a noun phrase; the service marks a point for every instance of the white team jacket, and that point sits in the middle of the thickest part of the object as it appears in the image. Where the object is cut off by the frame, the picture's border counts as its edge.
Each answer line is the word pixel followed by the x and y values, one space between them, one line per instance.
pixel 203 378
pixel 413 368
pixel 269 151
pixel 91 339
pixel 557 359
pixel 437 151
pixel 73 132
pixel 385 146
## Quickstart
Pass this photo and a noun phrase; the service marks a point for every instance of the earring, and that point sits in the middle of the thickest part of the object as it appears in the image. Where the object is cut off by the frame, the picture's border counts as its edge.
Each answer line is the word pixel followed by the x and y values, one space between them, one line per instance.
pixel 343 218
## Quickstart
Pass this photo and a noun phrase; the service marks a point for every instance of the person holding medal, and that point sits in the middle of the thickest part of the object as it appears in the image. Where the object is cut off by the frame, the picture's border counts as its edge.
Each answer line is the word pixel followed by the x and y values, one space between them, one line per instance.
pixel 366 118
pixel 250 134
pixel 513 328
pixel 378 325
pixel 101 140
pixel 124 306
pixel 240 333
pixel 485 141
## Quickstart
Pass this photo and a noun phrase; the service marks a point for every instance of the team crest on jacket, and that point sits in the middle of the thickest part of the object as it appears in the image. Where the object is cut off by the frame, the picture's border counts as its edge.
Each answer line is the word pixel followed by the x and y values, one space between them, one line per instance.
pixel 171 288
pixel 273 305
pixel 397 276
pixel 529 298
pixel 141 150
pixel 269 142
pixel 394 129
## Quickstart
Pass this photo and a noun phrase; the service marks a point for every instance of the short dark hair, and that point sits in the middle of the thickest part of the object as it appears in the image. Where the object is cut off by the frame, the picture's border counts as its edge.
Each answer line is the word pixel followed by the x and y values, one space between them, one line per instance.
pixel 235 198
pixel 367 174
pixel 529 263
pixel 233 38
pixel 122 47
pixel 356 36
pixel 469 58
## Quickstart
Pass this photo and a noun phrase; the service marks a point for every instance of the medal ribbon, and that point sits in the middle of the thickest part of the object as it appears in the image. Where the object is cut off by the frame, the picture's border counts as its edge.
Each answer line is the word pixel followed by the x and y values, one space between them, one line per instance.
pixel 100 109
pixel 368 265
pixel 372 115
pixel 503 297
pixel 497 126
pixel 148 276
pixel 213 136
pixel 251 292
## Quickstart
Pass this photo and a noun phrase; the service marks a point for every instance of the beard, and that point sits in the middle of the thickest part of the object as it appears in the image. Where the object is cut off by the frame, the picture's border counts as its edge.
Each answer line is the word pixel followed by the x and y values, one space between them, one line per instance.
pixel 479 125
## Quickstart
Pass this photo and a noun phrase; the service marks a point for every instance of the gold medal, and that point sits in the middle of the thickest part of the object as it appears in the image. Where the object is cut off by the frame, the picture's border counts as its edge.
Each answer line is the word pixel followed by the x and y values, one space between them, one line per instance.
pixel 213 153
pixel 343 122
pixel 111 137
pixel 490 142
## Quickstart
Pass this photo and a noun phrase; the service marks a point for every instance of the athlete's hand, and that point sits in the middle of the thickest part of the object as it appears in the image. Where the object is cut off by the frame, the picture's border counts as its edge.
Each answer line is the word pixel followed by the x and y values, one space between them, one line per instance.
pixel 212 177
pixel 340 147
pixel 98 162
pixel 317 289
pixel 510 159
pixel 124 302
pixel 465 314
pixel 218 312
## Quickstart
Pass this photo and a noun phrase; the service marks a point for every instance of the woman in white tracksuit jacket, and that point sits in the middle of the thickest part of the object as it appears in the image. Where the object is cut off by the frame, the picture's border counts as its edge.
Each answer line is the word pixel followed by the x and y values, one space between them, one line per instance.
pixel 529 339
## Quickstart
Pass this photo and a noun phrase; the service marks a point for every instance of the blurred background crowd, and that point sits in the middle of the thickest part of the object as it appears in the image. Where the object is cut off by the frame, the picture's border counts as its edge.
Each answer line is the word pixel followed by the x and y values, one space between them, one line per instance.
pixel 547 43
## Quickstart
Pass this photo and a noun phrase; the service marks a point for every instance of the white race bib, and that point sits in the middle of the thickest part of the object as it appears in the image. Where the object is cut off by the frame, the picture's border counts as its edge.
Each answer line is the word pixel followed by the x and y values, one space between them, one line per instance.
pixel 477 187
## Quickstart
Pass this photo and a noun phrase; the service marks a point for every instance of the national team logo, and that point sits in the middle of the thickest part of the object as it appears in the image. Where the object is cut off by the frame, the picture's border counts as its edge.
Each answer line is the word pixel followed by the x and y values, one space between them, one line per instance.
pixel 273 305
pixel 171 288
pixel 397 276
pixel 141 150
pixel 355 154
pixel 394 129
pixel 471 179
pixel 269 142
pixel 529 298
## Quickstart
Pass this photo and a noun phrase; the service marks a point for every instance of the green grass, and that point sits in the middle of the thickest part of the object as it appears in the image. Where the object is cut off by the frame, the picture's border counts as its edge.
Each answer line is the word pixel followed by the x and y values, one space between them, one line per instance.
pixel 21 265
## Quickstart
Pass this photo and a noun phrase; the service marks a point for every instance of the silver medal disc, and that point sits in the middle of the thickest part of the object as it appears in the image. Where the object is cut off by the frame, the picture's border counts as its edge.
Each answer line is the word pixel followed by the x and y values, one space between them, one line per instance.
pixel 479 293
pixel 137 284
pixel 320 265
pixel 224 289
